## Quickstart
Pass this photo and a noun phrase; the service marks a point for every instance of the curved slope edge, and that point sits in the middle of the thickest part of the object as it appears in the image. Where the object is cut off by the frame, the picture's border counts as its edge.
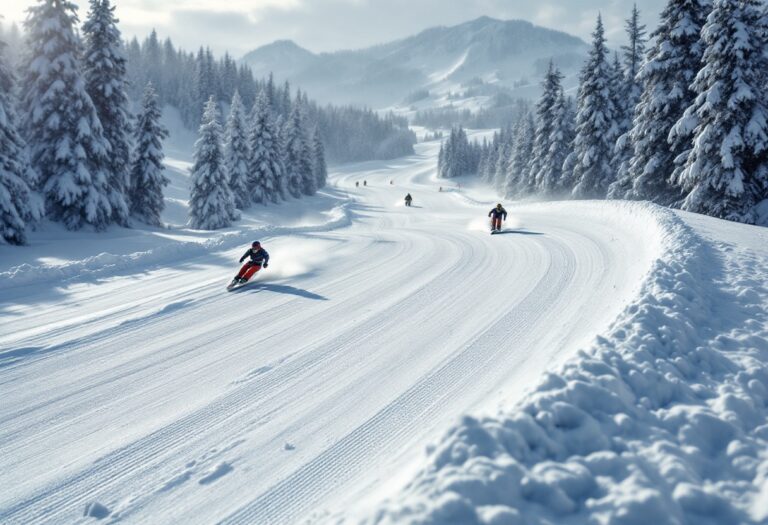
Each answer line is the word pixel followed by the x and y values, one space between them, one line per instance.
pixel 662 420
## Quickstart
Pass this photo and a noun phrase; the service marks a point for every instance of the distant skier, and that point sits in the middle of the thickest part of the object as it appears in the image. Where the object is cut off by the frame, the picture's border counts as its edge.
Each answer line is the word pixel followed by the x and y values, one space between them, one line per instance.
pixel 408 200
pixel 259 259
pixel 357 184
pixel 365 183
pixel 497 215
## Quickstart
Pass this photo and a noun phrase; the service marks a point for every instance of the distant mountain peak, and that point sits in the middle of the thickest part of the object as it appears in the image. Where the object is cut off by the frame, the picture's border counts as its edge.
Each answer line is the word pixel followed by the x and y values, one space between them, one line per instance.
pixel 439 59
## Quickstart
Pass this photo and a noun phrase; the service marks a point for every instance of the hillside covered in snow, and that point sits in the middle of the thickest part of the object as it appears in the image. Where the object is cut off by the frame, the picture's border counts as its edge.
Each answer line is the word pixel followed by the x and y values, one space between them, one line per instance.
pixel 485 53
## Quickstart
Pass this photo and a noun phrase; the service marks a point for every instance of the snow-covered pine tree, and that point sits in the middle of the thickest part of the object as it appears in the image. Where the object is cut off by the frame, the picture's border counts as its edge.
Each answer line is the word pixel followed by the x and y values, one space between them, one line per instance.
pixel 106 83
pixel 503 158
pixel 595 123
pixel 20 207
pixel 545 122
pixel 147 177
pixel 319 166
pixel 279 124
pixel 68 149
pixel 237 153
pixel 265 164
pixel 298 164
pixel 482 164
pixel 622 150
pixel 518 170
pixel 444 157
pixel 560 145
pixel 441 160
pixel 152 55
pixel 628 97
pixel 666 76
pixel 726 172
pixel 634 55
pixel 204 83
pixel 211 203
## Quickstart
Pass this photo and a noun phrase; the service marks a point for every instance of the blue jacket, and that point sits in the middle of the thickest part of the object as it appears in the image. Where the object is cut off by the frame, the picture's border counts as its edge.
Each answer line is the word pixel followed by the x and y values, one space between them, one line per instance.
pixel 498 213
pixel 259 256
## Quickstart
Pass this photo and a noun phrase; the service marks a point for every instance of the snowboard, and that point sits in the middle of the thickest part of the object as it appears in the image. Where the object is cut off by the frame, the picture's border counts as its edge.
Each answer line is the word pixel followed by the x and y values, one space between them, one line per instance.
pixel 234 286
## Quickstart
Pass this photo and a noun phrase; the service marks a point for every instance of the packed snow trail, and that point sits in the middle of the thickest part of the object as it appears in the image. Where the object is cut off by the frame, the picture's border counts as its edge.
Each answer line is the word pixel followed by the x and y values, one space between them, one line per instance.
pixel 162 397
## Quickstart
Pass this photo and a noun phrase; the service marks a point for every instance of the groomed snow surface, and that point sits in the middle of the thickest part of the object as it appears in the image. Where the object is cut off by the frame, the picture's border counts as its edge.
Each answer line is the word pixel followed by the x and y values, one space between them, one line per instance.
pixel 135 388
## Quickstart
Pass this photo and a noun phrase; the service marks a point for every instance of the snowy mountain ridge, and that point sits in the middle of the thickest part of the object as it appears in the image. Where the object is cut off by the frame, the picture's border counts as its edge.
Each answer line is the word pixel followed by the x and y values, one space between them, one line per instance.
pixel 505 53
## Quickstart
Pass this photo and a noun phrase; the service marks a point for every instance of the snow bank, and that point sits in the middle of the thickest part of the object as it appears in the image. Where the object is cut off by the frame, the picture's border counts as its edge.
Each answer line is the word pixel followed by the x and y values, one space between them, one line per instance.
pixel 663 420
pixel 107 264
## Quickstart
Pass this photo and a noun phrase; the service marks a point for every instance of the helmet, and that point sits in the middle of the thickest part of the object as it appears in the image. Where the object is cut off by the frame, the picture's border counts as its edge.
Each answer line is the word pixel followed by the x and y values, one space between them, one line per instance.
pixel 498 205
pixel 255 244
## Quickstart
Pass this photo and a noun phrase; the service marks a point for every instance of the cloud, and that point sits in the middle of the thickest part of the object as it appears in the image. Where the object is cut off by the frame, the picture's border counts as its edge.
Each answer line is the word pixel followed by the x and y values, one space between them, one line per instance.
pixel 328 25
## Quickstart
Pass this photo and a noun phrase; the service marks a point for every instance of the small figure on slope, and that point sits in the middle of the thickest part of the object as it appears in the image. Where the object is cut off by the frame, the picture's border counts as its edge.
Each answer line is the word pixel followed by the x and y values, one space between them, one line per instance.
pixel 408 200
pixel 259 258
pixel 497 215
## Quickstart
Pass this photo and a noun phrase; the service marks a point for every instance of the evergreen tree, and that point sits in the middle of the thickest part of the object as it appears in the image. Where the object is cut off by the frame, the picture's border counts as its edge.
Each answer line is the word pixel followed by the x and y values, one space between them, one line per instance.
pixel 204 85
pixel 106 83
pixel 503 159
pixel 211 203
pixel 265 165
pixel 298 165
pixel 545 123
pixel 595 123
pixel 623 119
pixel 237 153
pixel 147 177
pixel 518 171
pixel 560 144
pixel 726 172
pixel 152 54
pixel 19 206
pixel 633 53
pixel 280 139
pixel 68 149
pixel 318 159
pixel 670 67
pixel 135 70
pixel 627 99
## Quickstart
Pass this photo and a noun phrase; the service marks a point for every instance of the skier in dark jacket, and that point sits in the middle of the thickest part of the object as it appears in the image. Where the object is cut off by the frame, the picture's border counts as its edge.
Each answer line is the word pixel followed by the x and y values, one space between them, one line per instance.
pixel 259 259
pixel 497 215
pixel 408 199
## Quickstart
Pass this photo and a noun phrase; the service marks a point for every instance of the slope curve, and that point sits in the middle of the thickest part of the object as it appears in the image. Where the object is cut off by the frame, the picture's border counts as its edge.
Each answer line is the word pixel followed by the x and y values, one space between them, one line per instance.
pixel 162 398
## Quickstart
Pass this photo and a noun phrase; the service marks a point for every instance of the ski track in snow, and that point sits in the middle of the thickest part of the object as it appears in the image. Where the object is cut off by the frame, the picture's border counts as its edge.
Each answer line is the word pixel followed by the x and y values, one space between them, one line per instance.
pixel 157 396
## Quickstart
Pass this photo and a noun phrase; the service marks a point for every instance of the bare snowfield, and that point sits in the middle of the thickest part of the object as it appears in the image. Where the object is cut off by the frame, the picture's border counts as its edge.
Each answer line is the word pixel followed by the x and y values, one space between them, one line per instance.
pixel 135 388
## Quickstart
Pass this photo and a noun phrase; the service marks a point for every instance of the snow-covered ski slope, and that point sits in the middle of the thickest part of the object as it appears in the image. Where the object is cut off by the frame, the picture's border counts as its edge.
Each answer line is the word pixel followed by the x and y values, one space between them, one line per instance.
pixel 135 388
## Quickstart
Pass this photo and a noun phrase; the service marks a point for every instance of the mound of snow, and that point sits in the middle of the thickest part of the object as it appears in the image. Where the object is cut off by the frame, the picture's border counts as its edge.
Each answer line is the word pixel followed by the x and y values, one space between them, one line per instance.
pixel 664 420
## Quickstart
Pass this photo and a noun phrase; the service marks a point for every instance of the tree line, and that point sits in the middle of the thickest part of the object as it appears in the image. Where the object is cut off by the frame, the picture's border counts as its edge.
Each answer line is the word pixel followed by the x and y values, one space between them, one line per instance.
pixel 72 150
pixel 186 80
pixel 681 124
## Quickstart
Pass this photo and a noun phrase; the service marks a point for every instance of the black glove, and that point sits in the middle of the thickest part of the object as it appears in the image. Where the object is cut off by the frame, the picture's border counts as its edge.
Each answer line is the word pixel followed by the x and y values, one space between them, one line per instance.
pixel 265 265
pixel 241 259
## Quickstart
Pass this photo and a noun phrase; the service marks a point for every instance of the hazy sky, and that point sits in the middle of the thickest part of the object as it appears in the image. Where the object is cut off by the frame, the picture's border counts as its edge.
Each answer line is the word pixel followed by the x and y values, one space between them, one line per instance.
pixel 328 25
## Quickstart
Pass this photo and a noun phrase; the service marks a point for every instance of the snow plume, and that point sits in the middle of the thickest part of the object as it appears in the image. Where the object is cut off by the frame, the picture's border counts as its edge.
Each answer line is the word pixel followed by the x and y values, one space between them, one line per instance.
pixel 661 421
pixel 108 264
pixel 484 225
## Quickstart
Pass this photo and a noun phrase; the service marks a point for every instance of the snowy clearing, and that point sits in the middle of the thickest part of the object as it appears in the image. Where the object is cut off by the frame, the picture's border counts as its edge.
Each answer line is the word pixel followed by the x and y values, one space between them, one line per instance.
pixel 136 388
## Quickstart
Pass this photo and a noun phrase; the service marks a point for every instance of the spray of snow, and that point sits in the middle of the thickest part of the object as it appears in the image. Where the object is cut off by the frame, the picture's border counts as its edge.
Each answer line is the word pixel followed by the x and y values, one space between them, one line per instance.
pixel 484 224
